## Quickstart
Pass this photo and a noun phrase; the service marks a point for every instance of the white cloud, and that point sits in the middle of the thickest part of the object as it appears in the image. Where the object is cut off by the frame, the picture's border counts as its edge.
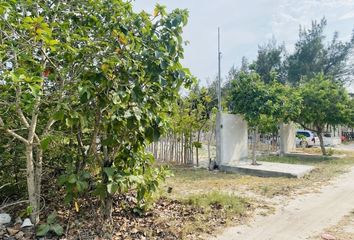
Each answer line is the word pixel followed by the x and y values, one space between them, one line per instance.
pixel 348 15
pixel 247 24
pixel 290 14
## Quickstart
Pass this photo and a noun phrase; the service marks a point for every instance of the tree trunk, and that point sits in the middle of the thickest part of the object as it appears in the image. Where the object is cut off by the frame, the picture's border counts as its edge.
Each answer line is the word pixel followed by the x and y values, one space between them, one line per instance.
pixel 255 138
pixel 108 200
pixel 172 148
pixel 197 148
pixel 209 143
pixel 323 149
pixel 31 184
pixel 38 175
pixel 191 160
pixel 107 207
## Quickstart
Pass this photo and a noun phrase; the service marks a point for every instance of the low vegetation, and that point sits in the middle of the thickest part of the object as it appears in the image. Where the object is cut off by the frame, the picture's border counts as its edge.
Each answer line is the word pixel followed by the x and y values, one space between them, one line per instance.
pixel 88 88
pixel 220 200
pixel 196 182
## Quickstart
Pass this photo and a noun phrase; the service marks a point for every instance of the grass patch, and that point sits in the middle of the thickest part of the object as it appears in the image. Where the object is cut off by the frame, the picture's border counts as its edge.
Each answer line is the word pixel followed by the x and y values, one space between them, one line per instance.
pixel 218 199
pixel 271 190
pixel 197 174
pixel 192 181
pixel 326 167
pixel 196 214
pixel 231 203
pixel 215 209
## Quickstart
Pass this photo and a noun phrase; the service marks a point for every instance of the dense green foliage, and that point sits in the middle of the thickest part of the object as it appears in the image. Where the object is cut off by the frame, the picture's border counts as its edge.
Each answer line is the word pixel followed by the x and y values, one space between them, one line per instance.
pixel 191 119
pixel 324 103
pixel 87 88
pixel 316 72
pixel 92 81
pixel 256 100
pixel 313 56
pixel 263 105
pixel 269 62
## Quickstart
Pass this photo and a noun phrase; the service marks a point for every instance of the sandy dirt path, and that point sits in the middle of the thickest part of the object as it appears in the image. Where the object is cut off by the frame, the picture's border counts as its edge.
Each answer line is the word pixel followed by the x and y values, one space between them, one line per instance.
pixel 303 217
pixel 346 147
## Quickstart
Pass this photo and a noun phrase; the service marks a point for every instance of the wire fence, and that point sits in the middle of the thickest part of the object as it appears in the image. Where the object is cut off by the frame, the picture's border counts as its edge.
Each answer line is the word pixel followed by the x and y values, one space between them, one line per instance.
pixel 265 143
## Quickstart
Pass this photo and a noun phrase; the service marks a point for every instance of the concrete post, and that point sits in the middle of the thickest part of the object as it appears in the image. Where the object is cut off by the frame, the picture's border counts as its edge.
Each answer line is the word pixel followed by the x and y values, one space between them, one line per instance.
pixel 233 141
pixel 218 138
pixel 287 138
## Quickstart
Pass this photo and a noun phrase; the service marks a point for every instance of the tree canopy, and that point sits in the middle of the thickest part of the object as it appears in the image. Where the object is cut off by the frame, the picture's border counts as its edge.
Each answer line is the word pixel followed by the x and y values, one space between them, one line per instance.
pixel 253 98
pixel 270 61
pixel 313 56
pixel 95 79
pixel 263 105
pixel 324 103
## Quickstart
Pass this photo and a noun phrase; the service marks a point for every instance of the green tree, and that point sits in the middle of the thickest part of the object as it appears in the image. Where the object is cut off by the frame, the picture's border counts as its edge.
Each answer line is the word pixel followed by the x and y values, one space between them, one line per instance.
pixel 31 86
pixel 351 123
pixel 261 103
pixel 202 104
pixel 233 74
pixel 312 56
pixel 105 74
pixel 269 61
pixel 324 103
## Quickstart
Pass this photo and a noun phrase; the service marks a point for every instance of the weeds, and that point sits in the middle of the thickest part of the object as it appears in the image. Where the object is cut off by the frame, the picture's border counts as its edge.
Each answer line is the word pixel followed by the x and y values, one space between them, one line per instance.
pixel 231 203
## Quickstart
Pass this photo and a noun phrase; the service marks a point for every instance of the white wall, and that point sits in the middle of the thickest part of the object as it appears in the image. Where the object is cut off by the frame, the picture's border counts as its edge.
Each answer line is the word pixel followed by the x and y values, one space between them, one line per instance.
pixel 233 139
pixel 287 138
pixel 335 139
pixel 332 141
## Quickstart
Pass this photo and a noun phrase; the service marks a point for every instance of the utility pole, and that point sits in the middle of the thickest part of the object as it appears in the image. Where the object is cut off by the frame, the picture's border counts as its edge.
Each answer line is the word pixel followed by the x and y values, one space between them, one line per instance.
pixel 219 73
pixel 218 116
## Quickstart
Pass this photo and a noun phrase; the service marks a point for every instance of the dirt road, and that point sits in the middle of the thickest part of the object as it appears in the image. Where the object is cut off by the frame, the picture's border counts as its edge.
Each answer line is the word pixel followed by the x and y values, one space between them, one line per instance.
pixel 303 217
pixel 345 147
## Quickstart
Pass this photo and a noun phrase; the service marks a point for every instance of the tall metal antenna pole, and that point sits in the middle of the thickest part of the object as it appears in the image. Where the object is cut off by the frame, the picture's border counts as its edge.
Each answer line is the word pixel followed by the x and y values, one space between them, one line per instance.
pixel 218 116
pixel 219 73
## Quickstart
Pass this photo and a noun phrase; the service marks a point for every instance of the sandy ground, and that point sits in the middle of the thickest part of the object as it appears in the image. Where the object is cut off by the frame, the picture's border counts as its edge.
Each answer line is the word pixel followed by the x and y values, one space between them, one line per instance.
pixel 304 217
pixel 346 147
pixel 344 230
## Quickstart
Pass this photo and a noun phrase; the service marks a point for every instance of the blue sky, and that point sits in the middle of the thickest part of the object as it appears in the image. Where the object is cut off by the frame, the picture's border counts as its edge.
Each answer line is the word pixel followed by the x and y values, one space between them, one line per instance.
pixel 247 24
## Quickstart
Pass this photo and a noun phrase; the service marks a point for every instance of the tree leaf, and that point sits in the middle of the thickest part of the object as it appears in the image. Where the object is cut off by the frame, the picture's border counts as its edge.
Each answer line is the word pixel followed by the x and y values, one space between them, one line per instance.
pixel 52 218
pixel 57 229
pixel 59 115
pixel 112 187
pixel 34 89
pixel 42 230
pixel 72 178
pixel 81 186
pixel 109 171
pixel 45 142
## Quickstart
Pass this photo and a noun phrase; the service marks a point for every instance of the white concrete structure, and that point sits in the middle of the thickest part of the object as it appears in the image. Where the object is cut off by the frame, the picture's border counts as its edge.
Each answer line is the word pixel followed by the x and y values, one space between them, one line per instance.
pixel 332 141
pixel 232 149
pixel 233 137
pixel 287 138
pixel 335 136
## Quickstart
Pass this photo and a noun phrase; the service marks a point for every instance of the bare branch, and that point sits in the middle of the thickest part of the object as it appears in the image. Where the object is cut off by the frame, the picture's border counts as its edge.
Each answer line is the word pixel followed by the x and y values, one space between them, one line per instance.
pixel 48 126
pixel 307 128
pixel 12 133
pixel 19 110
pixel 14 203
pixel 54 65
pixel 33 126
pixel 5 185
